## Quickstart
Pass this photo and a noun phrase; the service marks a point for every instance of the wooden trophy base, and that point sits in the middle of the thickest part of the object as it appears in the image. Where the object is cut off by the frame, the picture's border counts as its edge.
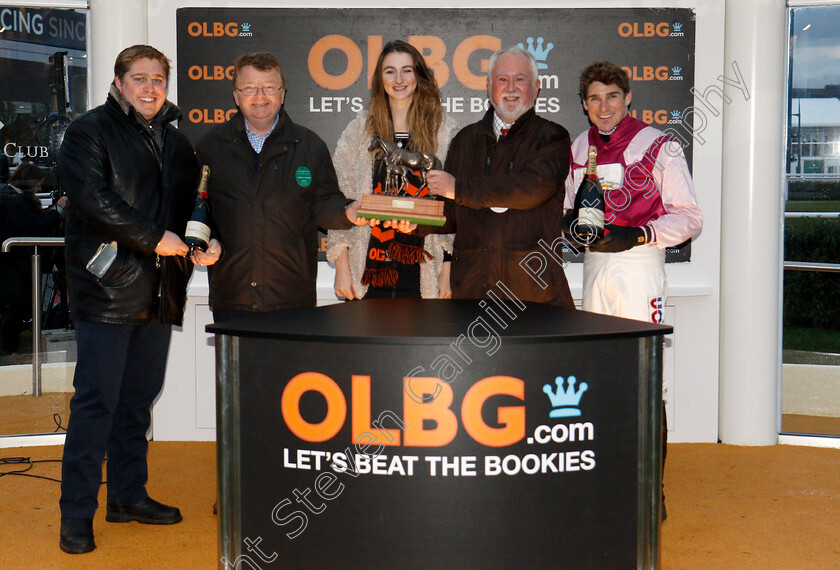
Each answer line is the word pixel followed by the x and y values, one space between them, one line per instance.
pixel 420 211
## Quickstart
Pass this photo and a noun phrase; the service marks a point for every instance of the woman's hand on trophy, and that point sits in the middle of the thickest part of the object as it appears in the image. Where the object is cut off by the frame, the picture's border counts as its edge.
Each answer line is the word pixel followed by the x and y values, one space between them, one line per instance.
pixel 402 226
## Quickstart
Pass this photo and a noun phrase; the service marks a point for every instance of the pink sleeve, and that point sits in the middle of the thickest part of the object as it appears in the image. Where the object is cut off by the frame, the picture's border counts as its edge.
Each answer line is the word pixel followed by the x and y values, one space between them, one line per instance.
pixel 683 218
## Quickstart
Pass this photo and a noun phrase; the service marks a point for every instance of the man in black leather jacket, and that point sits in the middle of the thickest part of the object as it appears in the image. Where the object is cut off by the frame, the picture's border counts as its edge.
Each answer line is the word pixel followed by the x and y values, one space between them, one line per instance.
pixel 130 176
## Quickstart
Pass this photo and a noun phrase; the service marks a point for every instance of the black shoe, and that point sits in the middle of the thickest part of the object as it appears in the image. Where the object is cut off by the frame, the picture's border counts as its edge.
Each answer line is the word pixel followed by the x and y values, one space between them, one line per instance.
pixel 147 511
pixel 76 535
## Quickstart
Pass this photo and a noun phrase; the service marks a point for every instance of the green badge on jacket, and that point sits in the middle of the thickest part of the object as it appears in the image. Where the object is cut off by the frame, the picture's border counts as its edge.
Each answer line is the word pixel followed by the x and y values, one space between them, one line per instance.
pixel 303 176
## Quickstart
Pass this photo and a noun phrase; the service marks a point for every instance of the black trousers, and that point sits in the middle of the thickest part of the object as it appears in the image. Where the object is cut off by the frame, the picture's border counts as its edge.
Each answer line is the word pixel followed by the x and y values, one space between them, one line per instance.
pixel 119 373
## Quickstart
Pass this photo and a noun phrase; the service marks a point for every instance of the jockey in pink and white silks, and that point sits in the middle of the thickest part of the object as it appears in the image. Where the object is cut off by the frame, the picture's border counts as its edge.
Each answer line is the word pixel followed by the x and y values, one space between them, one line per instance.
pixel 644 187
pixel 649 202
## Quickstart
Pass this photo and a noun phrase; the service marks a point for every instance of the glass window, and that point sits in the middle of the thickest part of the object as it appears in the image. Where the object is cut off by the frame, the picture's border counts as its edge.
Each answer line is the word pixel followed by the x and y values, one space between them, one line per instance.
pixel 811 303
pixel 43 67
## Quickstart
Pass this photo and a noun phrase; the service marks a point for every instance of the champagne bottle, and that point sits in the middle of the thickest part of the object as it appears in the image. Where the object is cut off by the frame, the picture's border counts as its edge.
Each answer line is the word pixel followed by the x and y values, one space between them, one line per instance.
pixel 197 234
pixel 589 205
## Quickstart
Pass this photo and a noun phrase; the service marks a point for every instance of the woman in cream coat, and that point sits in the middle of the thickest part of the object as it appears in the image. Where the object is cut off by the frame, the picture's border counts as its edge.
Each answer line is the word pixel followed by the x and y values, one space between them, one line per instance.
pixel 404 108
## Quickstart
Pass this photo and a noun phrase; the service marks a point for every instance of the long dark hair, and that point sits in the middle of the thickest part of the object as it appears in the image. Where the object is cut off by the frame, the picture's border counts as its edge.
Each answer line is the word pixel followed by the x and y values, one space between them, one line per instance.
pixel 425 113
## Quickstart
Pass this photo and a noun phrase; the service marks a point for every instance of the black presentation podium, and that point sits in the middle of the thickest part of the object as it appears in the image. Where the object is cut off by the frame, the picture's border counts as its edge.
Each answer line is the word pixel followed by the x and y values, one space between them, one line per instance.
pixel 439 434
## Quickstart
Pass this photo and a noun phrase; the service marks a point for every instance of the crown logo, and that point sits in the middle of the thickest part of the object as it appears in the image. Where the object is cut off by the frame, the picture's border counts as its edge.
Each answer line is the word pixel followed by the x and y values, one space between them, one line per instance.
pixel 675 114
pixel 539 53
pixel 565 402
pixel 246 27
pixel 677 27
pixel 676 70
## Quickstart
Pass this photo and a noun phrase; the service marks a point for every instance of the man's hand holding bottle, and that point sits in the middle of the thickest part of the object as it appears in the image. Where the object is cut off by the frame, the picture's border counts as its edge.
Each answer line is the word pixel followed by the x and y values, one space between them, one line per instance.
pixel 208 257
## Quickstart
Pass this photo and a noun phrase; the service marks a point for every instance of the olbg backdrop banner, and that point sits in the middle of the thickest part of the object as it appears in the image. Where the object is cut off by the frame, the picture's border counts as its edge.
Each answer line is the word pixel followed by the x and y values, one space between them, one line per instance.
pixel 328 56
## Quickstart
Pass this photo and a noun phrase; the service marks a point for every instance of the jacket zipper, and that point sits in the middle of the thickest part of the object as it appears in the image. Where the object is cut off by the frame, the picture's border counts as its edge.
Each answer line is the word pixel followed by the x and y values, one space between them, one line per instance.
pixel 163 205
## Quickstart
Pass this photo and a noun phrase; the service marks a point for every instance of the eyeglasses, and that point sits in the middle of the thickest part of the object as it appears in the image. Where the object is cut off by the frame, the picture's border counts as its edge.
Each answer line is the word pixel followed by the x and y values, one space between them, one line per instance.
pixel 267 90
